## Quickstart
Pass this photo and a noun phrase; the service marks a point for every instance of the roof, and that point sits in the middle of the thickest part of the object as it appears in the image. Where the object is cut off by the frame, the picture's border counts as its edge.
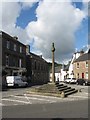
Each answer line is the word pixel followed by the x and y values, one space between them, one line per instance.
pixel 4 34
pixel 84 57
pixel 32 55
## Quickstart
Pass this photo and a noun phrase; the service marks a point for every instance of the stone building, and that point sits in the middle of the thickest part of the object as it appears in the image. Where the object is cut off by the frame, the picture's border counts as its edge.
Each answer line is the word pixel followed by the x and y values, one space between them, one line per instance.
pixel 74 57
pixel 13 55
pixel 37 68
pixel 82 66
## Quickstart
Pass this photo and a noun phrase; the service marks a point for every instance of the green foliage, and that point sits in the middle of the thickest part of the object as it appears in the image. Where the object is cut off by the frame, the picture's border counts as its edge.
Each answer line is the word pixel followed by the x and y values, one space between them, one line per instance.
pixel 56 65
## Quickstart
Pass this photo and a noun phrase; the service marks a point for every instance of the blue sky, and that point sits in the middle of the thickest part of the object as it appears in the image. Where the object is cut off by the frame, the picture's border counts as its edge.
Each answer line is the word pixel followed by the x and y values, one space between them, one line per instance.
pixel 26 16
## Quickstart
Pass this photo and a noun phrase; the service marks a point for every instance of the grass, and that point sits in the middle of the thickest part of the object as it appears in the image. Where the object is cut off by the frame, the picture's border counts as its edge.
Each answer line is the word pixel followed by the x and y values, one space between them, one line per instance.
pixel 46 89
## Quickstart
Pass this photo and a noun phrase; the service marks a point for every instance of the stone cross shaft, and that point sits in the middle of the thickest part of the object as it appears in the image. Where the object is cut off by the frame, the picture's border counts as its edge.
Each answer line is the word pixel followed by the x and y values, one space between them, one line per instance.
pixel 53 67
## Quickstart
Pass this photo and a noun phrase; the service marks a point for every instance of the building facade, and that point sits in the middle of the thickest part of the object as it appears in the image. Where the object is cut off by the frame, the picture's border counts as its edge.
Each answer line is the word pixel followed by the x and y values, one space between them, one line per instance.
pixel 37 68
pixel 74 57
pixel 13 55
pixel 82 66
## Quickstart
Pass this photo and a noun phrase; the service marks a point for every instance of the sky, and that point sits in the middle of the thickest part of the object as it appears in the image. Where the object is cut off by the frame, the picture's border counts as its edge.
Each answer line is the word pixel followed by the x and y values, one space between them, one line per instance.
pixel 39 23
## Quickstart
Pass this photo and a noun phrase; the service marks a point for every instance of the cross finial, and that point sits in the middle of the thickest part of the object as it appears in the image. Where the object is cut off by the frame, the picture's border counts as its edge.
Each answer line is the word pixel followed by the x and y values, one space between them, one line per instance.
pixel 53 48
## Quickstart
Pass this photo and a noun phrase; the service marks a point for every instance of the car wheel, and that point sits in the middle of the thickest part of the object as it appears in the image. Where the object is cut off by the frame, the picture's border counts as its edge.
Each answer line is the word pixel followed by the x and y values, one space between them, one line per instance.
pixel 16 85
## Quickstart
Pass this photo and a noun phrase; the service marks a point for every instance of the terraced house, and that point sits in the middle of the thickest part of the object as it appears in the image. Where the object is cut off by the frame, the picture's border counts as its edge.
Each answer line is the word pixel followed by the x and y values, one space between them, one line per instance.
pixel 37 68
pixel 13 55
pixel 82 66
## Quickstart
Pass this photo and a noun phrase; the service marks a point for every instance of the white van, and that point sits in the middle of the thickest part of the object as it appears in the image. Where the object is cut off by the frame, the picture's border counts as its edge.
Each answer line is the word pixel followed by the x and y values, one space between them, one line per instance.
pixel 15 81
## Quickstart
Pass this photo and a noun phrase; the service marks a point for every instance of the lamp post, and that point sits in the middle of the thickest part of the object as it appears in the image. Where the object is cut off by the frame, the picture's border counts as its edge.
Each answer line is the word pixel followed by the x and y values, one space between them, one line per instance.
pixel 53 67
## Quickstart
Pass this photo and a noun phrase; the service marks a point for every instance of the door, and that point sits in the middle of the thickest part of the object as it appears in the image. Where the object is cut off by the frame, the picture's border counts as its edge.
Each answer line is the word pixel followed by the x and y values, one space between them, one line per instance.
pixel 82 75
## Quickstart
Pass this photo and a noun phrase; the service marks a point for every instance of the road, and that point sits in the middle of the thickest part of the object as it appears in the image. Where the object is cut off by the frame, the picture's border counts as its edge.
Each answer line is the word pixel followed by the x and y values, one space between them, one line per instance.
pixel 17 103
pixel 71 109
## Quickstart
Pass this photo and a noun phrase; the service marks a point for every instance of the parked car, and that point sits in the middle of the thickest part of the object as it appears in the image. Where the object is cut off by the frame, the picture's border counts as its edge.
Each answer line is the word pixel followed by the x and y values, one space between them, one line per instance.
pixel 70 80
pixel 15 81
pixel 83 82
pixel 73 80
pixel 67 80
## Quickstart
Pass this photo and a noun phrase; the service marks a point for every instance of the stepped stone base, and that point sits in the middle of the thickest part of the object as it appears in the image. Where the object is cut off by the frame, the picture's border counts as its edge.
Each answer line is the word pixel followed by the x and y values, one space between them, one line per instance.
pixel 56 88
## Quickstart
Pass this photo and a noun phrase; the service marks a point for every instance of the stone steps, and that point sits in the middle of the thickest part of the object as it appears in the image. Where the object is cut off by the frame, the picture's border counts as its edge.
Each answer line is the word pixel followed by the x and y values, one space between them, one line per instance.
pixel 59 87
pixel 66 90
pixel 70 92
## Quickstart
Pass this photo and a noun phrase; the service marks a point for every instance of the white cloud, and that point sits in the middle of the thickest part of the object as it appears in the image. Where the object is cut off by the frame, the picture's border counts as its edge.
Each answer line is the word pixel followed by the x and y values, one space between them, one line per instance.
pixel 0 15
pixel 56 22
pixel 10 13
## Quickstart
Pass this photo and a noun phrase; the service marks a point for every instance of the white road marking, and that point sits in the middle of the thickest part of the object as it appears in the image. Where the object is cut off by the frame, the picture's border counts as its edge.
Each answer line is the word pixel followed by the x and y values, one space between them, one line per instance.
pixel 27 98
pixel 78 96
pixel 34 98
pixel 16 101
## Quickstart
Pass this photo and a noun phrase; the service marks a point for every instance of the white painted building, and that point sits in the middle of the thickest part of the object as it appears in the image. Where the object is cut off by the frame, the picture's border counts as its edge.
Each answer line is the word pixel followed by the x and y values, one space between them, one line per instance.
pixel 63 74
pixel 75 56
pixel 57 74
pixel 60 74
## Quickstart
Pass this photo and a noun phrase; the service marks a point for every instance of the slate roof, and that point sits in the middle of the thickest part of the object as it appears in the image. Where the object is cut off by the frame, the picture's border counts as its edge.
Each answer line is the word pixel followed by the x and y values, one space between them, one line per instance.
pixel 84 57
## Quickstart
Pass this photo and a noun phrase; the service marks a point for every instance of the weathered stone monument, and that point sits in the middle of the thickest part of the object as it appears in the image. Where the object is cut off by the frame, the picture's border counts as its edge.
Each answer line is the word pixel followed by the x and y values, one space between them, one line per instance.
pixel 53 67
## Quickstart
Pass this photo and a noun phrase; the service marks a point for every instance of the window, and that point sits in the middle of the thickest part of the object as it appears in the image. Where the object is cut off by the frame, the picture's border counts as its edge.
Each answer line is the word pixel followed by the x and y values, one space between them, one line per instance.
pixel 35 65
pixel 77 65
pixel 20 49
pixel 8 44
pixel 86 63
pixel 7 60
pixel 86 75
pixel 20 63
pixel 77 75
pixel 15 47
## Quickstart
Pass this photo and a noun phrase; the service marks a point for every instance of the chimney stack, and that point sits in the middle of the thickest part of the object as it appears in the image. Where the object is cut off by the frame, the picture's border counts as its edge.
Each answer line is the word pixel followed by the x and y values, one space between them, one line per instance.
pixel 15 37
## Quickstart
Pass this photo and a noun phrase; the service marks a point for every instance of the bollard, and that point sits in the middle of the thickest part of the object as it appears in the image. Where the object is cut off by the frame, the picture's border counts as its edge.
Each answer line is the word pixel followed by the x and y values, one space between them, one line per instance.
pixel 62 94
pixel 79 90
